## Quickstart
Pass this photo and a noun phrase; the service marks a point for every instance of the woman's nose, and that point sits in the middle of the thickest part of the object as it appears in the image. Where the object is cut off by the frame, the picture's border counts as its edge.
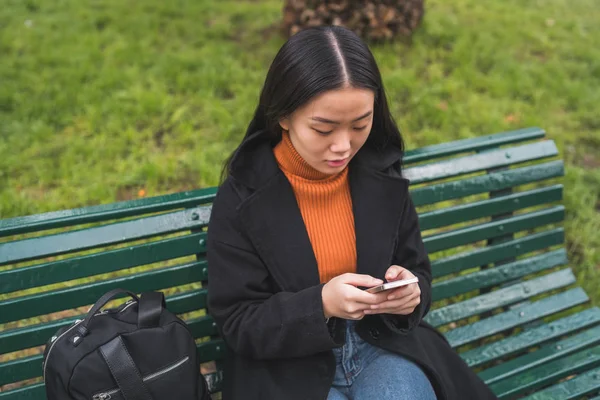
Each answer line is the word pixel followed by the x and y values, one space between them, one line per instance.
pixel 341 144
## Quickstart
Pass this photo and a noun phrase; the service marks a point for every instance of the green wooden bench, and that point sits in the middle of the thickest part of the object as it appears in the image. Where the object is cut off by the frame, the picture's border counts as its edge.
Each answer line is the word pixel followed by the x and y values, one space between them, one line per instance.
pixel 490 211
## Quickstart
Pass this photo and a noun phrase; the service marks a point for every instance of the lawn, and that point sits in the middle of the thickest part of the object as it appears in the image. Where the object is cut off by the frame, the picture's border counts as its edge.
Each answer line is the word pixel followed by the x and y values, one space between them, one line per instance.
pixel 110 100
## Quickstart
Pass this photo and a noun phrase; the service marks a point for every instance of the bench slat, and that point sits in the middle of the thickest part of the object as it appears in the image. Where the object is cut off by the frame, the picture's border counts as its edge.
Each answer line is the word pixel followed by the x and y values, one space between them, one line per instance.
pixel 472 144
pixel 214 381
pixel 191 300
pixel 480 162
pixel 545 374
pixel 490 254
pixel 488 230
pixel 581 385
pixel 31 367
pixel 486 183
pixel 76 296
pixel 213 350
pixel 516 317
pixel 94 264
pixel 485 208
pixel 104 212
pixel 120 232
pixel 498 275
pixel 532 337
pixel 501 297
pixel 20 369
pixel 203 326
pixel 545 354
pixel 33 392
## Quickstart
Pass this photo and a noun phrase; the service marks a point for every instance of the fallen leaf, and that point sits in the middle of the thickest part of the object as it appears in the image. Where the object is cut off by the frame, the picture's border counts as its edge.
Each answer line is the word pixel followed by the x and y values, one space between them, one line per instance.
pixel 141 193
pixel 511 118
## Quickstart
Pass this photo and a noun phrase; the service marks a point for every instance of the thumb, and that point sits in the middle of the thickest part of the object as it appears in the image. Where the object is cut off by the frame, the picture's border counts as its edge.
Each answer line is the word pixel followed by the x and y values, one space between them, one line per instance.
pixel 394 272
pixel 361 280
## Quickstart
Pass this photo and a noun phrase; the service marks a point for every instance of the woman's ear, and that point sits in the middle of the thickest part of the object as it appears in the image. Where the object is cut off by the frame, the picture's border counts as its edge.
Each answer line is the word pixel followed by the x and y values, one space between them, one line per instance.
pixel 285 123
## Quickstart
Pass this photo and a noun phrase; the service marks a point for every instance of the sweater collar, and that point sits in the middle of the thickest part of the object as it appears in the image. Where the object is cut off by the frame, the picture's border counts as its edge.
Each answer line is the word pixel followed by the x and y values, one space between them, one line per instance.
pixel 255 163
pixel 292 163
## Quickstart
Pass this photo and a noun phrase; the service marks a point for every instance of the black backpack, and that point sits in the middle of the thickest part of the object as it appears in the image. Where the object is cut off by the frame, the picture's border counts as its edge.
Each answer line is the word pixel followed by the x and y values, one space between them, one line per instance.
pixel 139 351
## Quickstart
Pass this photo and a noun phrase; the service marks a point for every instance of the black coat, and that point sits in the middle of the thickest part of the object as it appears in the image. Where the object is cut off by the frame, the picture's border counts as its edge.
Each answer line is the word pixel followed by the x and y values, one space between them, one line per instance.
pixel 265 293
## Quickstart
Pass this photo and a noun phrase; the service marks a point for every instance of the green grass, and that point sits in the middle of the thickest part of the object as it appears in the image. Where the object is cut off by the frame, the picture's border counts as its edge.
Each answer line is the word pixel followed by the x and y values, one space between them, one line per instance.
pixel 102 99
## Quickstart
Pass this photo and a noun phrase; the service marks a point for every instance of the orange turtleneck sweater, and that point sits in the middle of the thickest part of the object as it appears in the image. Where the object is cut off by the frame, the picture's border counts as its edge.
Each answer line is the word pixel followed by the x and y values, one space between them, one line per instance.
pixel 326 208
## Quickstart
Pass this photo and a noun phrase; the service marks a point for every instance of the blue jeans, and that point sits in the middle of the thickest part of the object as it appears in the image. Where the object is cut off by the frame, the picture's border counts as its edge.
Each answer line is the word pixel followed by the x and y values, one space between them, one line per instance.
pixel 365 372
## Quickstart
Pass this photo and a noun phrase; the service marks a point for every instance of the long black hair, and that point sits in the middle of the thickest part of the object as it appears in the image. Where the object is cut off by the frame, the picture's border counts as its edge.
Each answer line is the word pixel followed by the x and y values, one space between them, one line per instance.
pixel 312 62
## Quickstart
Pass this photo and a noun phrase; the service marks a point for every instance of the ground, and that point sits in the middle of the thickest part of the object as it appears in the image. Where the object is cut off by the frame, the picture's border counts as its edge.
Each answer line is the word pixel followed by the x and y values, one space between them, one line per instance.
pixel 111 100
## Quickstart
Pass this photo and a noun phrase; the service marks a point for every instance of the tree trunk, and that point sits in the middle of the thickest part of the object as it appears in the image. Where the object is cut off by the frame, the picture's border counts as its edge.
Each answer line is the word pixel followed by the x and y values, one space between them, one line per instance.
pixel 373 20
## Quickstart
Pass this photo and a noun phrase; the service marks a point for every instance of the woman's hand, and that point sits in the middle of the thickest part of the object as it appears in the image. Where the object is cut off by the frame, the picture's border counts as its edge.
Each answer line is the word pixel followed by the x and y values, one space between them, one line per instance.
pixel 401 301
pixel 342 298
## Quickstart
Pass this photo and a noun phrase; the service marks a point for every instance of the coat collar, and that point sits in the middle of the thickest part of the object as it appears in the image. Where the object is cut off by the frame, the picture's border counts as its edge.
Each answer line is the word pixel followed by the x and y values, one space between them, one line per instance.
pixel 275 226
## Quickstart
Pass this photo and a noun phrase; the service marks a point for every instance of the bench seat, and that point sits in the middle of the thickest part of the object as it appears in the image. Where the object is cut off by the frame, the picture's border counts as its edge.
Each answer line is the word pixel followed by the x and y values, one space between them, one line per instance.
pixel 490 211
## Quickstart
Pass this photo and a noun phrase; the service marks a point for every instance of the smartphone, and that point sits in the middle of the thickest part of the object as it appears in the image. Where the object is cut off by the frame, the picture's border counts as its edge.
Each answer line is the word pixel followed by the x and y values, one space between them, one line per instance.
pixel 392 285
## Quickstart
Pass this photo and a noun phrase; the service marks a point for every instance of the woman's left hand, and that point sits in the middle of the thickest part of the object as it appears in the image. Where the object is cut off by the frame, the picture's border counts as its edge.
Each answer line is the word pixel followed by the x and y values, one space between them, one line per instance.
pixel 403 300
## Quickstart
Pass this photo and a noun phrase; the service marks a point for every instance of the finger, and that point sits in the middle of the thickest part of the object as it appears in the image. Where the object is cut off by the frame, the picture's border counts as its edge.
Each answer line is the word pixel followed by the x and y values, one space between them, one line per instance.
pixel 406 274
pixel 406 310
pixel 401 292
pixel 360 280
pixel 412 289
pixel 368 299
pixel 393 272
pixel 357 308
pixel 397 303
pixel 361 296
pixel 356 316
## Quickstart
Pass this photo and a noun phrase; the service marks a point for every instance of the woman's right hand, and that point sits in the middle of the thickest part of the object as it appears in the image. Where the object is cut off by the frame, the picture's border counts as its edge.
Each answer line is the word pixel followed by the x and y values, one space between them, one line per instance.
pixel 342 298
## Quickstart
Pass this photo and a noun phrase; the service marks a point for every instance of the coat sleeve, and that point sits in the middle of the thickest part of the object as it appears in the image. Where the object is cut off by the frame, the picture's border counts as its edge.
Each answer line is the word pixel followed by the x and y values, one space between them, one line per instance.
pixel 410 253
pixel 255 319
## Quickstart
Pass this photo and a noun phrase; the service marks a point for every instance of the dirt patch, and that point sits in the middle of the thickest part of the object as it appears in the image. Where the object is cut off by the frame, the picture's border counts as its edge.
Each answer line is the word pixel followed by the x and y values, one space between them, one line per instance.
pixel 126 193
pixel 590 161
pixel 273 29
pixel 159 135
pixel 576 251
pixel 224 93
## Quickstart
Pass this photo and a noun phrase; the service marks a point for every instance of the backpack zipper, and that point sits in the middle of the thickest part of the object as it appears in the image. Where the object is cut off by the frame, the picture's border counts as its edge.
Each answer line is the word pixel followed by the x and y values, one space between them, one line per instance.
pixel 55 339
pixel 77 322
pixel 109 393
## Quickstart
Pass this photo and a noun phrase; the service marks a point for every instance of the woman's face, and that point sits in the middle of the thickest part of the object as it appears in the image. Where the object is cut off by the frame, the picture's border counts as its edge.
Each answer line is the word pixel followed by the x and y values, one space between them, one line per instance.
pixel 330 129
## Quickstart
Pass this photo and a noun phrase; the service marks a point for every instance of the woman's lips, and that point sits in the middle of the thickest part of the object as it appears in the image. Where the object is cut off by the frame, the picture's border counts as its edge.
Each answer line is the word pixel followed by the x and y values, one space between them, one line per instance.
pixel 337 163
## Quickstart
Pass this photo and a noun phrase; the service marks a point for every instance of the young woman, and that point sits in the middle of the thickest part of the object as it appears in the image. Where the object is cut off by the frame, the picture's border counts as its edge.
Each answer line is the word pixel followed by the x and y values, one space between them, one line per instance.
pixel 312 210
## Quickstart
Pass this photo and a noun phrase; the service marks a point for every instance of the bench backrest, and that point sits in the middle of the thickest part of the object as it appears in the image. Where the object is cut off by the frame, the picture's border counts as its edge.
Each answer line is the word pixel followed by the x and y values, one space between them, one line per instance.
pixel 477 228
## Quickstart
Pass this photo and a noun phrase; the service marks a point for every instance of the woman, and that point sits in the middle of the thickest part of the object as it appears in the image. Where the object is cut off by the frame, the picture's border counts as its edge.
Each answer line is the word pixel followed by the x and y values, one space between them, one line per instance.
pixel 313 209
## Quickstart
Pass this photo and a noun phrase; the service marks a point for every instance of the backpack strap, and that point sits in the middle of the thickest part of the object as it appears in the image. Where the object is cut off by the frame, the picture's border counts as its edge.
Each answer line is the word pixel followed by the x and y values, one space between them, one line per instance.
pixel 150 309
pixel 124 370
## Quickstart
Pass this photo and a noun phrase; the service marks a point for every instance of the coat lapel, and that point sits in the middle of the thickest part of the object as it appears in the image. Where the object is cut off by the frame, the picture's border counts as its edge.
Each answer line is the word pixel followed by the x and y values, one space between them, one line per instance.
pixel 377 200
pixel 276 228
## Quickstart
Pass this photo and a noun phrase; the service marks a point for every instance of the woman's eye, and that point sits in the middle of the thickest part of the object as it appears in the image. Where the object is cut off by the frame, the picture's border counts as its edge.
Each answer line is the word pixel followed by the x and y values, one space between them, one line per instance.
pixel 360 128
pixel 323 132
